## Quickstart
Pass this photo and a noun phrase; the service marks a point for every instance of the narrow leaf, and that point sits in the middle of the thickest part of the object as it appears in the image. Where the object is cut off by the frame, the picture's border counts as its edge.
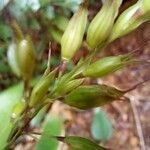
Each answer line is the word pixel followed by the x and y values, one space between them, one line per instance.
pixel 80 143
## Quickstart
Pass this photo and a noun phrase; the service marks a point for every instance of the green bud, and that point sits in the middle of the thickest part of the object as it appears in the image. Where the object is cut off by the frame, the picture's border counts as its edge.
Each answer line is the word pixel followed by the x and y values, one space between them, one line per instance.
pixel 80 143
pixel 87 97
pixel 26 57
pixel 130 19
pixel 41 88
pixel 107 65
pixel 101 26
pixel 56 34
pixel 12 59
pixel 18 109
pixel 18 35
pixel 61 22
pixel 73 35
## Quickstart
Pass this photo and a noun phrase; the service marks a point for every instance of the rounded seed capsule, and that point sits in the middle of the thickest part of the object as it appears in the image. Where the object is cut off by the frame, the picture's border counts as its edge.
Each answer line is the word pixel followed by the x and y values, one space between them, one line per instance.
pixel 73 35
pixel 26 57
pixel 101 26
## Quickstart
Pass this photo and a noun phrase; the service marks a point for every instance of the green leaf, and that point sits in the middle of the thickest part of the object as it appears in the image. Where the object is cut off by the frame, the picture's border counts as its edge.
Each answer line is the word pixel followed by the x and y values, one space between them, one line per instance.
pixel 5 32
pixel 8 100
pixel 5 128
pixel 101 127
pixel 52 127
pixel 80 143
pixel 4 68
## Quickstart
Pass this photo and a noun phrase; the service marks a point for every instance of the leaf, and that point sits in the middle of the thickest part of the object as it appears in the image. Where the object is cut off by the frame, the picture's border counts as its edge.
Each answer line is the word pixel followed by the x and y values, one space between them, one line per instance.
pixel 5 32
pixel 101 127
pixel 12 59
pixel 8 100
pixel 80 143
pixel 4 68
pixel 52 127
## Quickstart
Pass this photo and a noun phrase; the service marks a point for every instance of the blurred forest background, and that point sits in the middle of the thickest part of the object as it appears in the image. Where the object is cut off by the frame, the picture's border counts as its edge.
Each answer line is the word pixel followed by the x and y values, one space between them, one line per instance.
pixel 42 20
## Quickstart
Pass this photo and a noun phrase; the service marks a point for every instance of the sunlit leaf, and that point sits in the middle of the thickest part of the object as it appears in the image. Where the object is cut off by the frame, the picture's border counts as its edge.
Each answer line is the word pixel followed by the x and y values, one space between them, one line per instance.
pixel 52 127
pixel 8 100
pixel 101 127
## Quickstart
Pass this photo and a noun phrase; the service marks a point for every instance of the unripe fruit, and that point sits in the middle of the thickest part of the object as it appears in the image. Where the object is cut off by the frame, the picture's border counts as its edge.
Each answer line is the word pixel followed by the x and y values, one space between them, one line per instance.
pixel 146 5
pixel 101 26
pixel 87 97
pixel 107 65
pixel 26 57
pixel 73 35
pixel 56 34
pixel 130 19
pixel 41 88
pixel 12 59
pixel 61 22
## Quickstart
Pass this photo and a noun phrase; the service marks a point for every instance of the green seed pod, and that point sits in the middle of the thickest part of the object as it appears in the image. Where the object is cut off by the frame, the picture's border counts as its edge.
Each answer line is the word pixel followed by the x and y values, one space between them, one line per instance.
pixel 146 6
pixel 56 34
pixel 69 86
pixel 107 65
pixel 87 97
pixel 26 57
pixel 61 22
pixel 130 19
pixel 41 88
pixel 18 109
pixel 80 143
pixel 101 26
pixel 73 35
pixel 12 59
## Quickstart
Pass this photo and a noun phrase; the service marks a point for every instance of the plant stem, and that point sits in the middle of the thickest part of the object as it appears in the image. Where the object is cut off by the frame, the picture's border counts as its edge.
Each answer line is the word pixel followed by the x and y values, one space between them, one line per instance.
pixel 138 123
